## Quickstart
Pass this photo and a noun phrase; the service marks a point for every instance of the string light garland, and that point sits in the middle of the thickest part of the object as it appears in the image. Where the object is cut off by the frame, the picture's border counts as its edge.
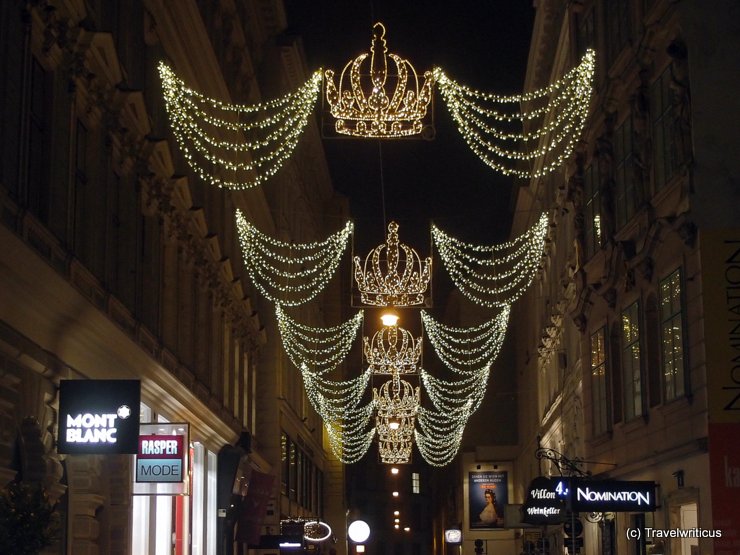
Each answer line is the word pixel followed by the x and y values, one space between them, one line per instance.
pixel 290 273
pixel 321 349
pixel 349 436
pixel 232 145
pixel 467 351
pixel 553 119
pixel 387 103
pixel 439 443
pixel 316 351
pixel 493 275
pixel 470 353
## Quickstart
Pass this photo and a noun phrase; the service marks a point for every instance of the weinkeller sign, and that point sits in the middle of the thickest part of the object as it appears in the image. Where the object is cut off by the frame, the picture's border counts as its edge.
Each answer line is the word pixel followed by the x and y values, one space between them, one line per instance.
pixel 589 495
pixel 160 458
pixel 545 503
pixel 98 416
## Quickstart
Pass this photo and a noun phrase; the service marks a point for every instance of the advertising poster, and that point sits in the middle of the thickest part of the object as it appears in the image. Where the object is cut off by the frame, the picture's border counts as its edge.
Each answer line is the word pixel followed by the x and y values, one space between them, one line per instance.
pixel 720 260
pixel 487 496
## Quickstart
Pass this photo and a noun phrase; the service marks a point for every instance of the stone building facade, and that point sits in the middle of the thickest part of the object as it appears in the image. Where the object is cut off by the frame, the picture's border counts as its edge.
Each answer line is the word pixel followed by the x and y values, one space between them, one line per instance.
pixel 118 262
pixel 615 354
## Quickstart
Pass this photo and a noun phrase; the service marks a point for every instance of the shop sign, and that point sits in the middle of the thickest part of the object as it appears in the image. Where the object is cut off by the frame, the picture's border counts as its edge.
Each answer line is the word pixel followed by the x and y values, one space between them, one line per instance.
pixel 453 536
pixel 545 503
pixel 160 458
pixel 98 416
pixel 588 495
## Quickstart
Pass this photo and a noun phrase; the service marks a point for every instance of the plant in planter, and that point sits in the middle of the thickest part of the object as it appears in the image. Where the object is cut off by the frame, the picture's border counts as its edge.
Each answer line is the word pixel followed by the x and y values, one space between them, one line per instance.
pixel 28 522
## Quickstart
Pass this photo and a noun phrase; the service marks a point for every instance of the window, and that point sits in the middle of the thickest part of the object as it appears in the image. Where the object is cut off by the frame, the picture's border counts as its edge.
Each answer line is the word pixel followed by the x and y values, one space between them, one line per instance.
pixel 598 382
pixel 284 463
pixel 627 195
pixel 293 471
pixel 39 135
pixel 667 154
pixel 415 483
pixel 631 362
pixel 585 36
pixel 592 210
pixel 672 336
pixel 617 27
pixel 12 53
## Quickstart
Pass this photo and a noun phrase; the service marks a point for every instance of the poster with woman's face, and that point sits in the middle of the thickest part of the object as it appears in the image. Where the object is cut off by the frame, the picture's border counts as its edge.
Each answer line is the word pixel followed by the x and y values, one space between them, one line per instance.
pixel 487 495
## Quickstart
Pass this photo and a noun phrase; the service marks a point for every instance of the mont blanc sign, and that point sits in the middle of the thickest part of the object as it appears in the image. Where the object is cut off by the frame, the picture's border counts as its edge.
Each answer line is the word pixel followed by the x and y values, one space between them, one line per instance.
pixel 98 416
pixel 590 495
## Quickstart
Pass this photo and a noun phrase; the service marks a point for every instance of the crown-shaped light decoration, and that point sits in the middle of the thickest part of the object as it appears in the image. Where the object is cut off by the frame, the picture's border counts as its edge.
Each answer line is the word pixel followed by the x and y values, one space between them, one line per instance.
pixel 379 280
pixel 397 403
pixel 392 349
pixel 376 102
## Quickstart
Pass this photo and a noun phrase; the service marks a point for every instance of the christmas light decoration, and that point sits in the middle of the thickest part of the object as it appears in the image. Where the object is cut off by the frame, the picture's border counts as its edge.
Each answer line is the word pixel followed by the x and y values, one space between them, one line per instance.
pixel 290 273
pixel 384 104
pixel 349 436
pixel 397 402
pixel 392 349
pixel 232 145
pixel 552 119
pixel 495 275
pixel 316 351
pixel 392 274
pixel 321 349
pixel 468 352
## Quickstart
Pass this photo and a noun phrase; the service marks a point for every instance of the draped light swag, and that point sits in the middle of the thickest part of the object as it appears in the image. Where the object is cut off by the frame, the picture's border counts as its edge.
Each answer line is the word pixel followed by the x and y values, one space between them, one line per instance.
pixel 378 95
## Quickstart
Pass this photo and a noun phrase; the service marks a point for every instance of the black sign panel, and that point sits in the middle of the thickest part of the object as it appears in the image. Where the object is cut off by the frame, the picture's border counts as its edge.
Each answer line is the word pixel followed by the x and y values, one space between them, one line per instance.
pixel 99 416
pixel 545 502
pixel 589 495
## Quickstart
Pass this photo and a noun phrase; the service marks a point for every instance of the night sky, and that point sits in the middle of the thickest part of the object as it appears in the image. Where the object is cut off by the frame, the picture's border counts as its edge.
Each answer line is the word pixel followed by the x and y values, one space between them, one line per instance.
pixel 481 44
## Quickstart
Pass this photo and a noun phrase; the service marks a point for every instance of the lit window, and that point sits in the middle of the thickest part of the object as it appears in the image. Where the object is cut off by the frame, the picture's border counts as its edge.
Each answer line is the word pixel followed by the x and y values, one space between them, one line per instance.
pixel 598 382
pixel 672 336
pixel 631 365
pixel 415 482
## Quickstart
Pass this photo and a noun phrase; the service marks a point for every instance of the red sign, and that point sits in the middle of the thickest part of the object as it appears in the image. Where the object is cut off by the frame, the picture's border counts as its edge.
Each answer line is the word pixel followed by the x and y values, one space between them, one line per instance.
pixel 724 468
pixel 254 506
pixel 160 458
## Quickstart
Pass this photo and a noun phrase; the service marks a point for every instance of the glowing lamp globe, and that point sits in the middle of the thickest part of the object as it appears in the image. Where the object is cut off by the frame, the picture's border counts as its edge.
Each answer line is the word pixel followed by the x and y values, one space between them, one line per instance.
pixel 359 531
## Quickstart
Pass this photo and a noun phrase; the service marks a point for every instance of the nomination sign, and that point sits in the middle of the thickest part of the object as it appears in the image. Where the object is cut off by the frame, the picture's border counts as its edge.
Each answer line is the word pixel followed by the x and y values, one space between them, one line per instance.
pixel 160 458
pixel 98 416
pixel 549 499
pixel 588 495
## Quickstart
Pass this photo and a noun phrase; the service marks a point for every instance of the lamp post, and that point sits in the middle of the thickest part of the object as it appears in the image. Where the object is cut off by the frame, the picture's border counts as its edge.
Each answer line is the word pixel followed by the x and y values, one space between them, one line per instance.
pixel 358 531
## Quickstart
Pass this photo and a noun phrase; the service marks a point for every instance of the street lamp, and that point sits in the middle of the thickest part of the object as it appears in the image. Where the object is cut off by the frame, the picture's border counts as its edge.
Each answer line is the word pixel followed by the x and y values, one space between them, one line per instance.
pixel 359 531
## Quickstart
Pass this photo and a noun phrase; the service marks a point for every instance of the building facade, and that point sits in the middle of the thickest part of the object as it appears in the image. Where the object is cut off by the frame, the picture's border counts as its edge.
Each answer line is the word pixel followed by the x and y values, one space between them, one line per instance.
pixel 117 262
pixel 617 341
